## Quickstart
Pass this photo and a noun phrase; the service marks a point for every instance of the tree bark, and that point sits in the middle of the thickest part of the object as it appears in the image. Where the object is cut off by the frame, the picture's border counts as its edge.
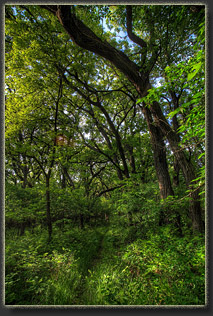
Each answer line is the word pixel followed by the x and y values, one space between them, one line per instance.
pixel 159 152
pixel 185 165
pixel 162 171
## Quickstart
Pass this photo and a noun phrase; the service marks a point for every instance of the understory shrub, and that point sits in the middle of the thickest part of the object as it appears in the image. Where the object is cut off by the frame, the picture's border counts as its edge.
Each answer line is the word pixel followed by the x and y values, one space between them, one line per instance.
pixel 161 271
pixel 38 273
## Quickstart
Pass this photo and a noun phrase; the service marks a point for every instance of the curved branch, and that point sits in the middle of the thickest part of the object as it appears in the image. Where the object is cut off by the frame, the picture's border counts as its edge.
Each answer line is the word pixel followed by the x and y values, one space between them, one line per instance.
pixel 136 39
pixel 51 8
pixel 110 189
pixel 84 37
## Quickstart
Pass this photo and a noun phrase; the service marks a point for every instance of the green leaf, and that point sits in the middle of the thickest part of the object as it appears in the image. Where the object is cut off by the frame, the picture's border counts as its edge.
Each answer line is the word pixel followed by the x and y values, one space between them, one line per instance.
pixel 196 69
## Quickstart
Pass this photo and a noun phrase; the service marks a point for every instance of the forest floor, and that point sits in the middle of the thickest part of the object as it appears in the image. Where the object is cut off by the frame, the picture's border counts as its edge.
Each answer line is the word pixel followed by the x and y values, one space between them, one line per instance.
pixel 106 265
pixel 81 291
pixel 97 258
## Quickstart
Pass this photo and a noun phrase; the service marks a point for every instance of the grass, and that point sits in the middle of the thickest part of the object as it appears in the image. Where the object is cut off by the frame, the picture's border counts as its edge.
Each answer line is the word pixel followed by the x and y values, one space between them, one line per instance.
pixel 104 266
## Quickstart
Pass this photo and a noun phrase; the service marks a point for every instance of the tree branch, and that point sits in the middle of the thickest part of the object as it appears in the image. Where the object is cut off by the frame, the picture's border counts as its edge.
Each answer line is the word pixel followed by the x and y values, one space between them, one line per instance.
pixel 84 37
pixel 110 189
pixel 136 39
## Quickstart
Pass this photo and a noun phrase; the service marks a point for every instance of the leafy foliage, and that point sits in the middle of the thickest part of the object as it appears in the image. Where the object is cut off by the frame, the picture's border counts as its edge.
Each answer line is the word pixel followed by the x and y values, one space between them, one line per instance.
pixel 116 263
pixel 83 213
pixel 161 271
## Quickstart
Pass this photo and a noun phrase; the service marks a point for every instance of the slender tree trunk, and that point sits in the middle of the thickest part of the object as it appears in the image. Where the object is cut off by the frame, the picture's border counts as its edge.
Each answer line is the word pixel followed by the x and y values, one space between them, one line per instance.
pixel 117 138
pixel 66 177
pixel 108 141
pixel 176 173
pixel 131 158
pixel 175 101
pixel 48 209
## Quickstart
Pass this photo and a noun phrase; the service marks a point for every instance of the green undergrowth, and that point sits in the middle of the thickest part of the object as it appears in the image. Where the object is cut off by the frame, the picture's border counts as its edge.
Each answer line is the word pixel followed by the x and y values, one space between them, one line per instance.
pixel 41 273
pixel 163 270
pixel 105 266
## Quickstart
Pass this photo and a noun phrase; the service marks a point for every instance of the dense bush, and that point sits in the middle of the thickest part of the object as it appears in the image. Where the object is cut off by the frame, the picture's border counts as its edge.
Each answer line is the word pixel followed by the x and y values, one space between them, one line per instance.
pixel 41 273
pixel 161 271
pixel 127 260
pixel 24 207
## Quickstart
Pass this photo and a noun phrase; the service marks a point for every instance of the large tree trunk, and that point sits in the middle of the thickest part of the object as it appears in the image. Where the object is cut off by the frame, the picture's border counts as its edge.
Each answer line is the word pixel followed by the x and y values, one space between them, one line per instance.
pixel 185 165
pixel 159 152
pixel 161 167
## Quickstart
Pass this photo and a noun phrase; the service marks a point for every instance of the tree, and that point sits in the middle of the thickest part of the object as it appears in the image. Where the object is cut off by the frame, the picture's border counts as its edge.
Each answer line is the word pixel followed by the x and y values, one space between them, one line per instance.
pixel 152 46
pixel 29 91
pixel 84 37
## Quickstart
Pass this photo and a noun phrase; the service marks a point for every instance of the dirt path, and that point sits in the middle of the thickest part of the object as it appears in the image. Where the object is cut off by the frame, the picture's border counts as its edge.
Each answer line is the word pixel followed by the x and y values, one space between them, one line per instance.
pixel 98 255
pixel 81 292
